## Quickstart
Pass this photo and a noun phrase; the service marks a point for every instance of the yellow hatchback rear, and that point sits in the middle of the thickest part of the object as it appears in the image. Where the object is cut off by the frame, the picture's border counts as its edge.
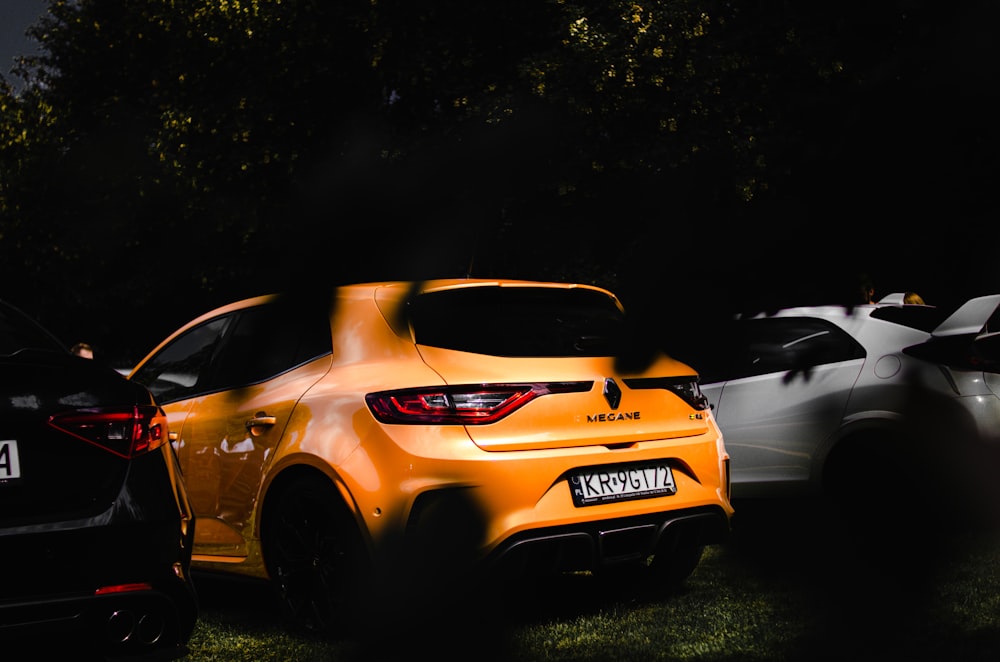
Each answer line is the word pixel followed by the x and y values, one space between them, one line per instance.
pixel 389 437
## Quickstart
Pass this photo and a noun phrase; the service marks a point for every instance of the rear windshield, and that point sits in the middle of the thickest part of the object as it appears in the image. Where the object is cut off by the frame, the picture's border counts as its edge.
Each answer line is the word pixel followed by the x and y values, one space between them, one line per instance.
pixel 924 318
pixel 18 332
pixel 519 321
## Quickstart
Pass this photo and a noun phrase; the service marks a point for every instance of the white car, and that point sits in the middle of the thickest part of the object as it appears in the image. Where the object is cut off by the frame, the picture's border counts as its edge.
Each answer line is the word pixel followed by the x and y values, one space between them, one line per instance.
pixel 833 399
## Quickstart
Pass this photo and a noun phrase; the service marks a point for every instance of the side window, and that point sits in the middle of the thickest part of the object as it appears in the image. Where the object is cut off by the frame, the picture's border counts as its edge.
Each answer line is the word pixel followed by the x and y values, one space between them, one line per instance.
pixel 180 369
pixel 268 340
pixel 793 343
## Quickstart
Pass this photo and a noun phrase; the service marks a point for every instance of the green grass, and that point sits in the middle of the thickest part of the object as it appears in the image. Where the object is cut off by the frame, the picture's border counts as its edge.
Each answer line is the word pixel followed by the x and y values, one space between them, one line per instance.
pixel 787 591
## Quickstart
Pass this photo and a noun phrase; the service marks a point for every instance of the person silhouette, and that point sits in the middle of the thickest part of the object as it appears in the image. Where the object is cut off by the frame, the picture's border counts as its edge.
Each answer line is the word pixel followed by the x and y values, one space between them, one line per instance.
pixel 867 290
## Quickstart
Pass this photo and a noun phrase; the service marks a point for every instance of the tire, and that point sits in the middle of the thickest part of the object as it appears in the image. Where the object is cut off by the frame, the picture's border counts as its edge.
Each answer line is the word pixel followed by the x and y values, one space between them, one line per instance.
pixel 862 470
pixel 315 557
pixel 676 556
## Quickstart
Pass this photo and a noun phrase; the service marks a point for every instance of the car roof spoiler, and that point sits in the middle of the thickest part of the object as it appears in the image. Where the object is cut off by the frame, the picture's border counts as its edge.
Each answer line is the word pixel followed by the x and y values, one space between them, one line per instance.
pixel 970 318
pixel 894 298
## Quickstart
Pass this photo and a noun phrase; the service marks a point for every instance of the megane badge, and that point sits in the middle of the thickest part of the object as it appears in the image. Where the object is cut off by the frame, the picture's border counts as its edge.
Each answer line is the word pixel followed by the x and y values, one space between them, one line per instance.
pixel 612 393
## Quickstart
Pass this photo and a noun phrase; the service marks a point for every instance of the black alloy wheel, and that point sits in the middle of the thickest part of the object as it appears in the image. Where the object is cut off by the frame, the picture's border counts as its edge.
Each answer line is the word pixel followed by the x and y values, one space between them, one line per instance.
pixel 315 557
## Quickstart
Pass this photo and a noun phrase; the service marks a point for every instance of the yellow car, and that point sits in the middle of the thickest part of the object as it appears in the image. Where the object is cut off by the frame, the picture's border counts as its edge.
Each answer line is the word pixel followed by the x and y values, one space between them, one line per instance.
pixel 385 437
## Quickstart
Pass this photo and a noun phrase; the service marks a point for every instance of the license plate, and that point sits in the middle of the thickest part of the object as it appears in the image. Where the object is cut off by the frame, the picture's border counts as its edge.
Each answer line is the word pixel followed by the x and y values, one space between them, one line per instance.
pixel 621 483
pixel 10 465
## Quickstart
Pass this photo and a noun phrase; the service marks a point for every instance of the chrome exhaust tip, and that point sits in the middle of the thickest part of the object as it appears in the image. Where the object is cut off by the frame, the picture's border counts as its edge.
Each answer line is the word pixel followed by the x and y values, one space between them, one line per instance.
pixel 126 626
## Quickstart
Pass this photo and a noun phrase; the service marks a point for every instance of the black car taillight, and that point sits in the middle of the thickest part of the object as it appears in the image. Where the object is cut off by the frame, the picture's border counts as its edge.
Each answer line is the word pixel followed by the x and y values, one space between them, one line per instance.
pixel 964 352
pixel 126 432
pixel 474 404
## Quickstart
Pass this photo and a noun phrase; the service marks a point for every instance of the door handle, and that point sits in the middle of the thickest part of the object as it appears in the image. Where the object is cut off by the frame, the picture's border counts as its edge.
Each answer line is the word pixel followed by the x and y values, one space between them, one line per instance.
pixel 261 419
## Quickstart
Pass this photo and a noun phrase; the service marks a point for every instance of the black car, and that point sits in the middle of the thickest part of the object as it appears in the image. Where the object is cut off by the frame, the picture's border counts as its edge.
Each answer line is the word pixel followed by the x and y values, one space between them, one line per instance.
pixel 96 529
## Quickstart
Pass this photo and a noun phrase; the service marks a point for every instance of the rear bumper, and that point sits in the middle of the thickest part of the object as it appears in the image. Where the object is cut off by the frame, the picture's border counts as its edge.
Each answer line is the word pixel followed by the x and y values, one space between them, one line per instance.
pixel 118 589
pixel 595 545
pixel 148 623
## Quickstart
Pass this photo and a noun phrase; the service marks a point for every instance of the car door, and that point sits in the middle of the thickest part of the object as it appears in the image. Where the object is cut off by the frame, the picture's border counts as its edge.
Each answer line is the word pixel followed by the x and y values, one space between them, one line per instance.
pixel 243 373
pixel 779 395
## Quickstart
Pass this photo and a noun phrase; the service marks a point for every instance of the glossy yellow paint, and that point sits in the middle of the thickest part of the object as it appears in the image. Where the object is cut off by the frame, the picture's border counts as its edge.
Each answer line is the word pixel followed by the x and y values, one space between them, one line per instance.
pixel 233 445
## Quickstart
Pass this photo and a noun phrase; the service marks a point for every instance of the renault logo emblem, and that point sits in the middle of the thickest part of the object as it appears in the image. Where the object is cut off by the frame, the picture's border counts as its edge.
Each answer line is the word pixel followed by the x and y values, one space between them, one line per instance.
pixel 612 393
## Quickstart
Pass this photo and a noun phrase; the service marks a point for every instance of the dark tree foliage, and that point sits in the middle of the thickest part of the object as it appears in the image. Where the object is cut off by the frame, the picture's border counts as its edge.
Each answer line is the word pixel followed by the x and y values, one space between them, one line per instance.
pixel 165 156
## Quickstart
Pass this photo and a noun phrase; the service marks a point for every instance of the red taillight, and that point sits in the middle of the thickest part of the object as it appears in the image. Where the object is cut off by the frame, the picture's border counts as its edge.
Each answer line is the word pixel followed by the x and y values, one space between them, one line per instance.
pixel 126 432
pixel 474 404
pixel 124 588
